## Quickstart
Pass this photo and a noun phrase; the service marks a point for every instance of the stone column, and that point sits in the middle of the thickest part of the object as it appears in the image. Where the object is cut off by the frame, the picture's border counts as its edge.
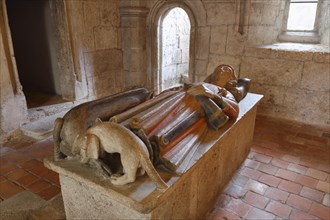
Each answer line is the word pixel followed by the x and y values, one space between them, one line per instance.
pixel 133 30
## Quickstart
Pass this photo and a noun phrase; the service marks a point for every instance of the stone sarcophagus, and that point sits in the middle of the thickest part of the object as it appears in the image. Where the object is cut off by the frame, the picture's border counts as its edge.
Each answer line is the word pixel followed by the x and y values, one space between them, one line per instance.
pixel 189 140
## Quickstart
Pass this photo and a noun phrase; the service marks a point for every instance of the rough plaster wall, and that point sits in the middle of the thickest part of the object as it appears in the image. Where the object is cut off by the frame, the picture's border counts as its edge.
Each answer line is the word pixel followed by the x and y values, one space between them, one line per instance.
pixel 175 48
pixel 97 45
pixel 12 106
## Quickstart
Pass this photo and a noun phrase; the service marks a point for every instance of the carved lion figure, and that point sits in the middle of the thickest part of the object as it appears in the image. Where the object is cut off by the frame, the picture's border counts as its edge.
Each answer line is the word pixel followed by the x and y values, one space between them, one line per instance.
pixel 111 137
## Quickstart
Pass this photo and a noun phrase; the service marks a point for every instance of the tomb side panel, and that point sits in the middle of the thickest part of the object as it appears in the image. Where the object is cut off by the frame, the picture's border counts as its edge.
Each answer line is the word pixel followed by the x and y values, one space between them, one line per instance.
pixel 83 202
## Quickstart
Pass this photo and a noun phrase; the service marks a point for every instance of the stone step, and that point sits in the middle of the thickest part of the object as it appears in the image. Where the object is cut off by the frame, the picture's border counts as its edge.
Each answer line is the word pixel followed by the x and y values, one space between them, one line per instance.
pixel 53 209
pixel 41 128
pixel 20 205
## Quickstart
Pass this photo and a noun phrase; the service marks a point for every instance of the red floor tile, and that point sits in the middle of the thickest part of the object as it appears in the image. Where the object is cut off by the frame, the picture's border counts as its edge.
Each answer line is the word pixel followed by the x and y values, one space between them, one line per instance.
pixel 8 189
pixel 235 191
pixel 251 163
pixel 238 207
pixel 256 187
pixel 306 181
pixel 286 174
pixel 256 213
pixel 291 158
pixel 6 168
pixel 267 168
pixel 312 194
pixel 297 168
pixel 38 186
pixel 27 180
pixel 280 163
pixel 253 174
pixel 49 193
pixel 277 194
pixel 279 209
pixel 256 200
pixel 300 215
pixel 323 186
pixel 262 158
pixel 17 157
pixel 269 180
pixel 326 200
pixel 290 187
pixel 223 214
pixel 16 174
pixel 317 174
pixel 299 202
pixel 320 211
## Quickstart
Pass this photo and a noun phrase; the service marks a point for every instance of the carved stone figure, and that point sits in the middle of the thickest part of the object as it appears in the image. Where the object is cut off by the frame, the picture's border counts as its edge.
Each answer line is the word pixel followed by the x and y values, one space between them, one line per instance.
pixel 161 132
pixel 109 137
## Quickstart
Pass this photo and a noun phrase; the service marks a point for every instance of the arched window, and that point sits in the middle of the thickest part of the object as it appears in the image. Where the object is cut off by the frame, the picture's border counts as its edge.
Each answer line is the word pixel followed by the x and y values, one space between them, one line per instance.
pixel 173 48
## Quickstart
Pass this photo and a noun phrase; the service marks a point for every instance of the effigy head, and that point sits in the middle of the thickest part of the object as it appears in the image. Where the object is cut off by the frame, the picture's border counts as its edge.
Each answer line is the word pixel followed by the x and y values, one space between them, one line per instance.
pixel 221 75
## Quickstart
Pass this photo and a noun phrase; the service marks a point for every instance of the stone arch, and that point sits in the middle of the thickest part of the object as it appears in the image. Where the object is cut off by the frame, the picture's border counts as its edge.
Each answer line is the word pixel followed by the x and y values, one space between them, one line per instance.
pixel 173 45
pixel 197 15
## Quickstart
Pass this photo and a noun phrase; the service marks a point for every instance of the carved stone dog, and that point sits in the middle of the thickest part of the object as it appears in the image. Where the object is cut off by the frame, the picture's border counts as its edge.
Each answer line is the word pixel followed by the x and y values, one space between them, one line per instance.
pixel 75 122
pixel 114 138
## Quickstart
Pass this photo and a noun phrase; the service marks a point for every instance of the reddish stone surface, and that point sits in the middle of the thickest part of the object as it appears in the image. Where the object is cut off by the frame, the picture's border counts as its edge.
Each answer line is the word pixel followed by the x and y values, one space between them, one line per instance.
pixel 267 168
pixel 8 189
pixel 290 187
pixel 269 180
pixel 320 211
pixel 50 192
pixel 277 194
pixel 297 168
pixel 238 207
pixel 279 209
pixel 256 213
pixel 279 163
pixel 300 215
pixel 306 181
pixel 286 174
pixel 256 200
pixel 223 214
pixel 253 174
pixel 299 202
pixel 312 194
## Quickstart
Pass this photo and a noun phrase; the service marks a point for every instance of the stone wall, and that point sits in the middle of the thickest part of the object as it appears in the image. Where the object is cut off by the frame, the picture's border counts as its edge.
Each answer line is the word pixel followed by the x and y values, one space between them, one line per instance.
pixel 98 58
pixel 13 110
pixel 175 33
pixel 112 47
pixel 294 80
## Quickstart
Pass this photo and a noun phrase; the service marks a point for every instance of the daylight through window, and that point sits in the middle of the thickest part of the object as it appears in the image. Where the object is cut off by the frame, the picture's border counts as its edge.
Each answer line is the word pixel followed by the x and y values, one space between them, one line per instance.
pixel 302 14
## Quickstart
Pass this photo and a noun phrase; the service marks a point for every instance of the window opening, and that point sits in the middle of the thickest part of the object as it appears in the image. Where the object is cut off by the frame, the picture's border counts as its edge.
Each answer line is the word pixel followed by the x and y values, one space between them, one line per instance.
pixel 174 41
pixel 301 22
pixel 302 15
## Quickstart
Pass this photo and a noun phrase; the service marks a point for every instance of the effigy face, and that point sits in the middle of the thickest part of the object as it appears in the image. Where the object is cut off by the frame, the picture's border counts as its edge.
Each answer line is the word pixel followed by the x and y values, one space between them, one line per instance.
pixel 160 132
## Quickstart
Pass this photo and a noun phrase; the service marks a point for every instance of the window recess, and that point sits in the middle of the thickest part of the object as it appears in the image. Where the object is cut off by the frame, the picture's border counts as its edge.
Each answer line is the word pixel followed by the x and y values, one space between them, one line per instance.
pixel 301 22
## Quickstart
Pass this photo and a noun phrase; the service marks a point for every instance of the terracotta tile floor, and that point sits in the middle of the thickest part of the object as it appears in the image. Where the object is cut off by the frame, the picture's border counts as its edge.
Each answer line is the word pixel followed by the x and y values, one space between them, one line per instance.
pixel 286 175
pixel 21 168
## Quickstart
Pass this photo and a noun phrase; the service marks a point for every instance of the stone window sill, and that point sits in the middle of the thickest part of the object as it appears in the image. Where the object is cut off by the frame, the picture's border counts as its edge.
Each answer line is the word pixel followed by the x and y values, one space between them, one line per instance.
pixel 300 37
pixel 291 51
pixel 297 47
